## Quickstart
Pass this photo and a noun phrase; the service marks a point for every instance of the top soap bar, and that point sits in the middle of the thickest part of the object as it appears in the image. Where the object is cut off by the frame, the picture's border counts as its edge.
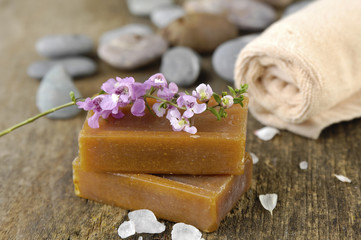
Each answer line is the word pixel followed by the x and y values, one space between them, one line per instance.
pixel 149 145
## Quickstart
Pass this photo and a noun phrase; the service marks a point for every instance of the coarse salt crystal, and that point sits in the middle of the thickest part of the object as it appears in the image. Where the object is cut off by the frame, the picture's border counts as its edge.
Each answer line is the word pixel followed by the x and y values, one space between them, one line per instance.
pixel 126 229
pixel 266 133
pixel 145 221
pixel 303 165
pixel 182 231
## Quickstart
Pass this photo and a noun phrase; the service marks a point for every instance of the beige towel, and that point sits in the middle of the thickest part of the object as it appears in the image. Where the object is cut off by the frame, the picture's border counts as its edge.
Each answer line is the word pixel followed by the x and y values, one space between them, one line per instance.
pixel 304 72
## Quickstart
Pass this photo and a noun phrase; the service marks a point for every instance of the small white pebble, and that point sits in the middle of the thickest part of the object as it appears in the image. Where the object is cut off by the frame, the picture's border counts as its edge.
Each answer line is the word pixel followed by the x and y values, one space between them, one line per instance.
pixel 182 231
pixel 254 158
pixel 342 178
pixel 269 201
pixel 266 133
pixel 303 165
pixel 126 229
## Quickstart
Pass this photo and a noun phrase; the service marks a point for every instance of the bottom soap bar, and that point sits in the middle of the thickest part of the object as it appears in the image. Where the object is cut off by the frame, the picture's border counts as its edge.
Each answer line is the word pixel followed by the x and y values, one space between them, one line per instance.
pixel 202 201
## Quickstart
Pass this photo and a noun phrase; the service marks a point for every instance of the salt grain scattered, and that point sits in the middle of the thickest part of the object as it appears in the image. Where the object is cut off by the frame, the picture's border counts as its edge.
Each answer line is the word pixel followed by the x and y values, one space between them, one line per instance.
pixel 269 201
pixel 266 133
pixel 182 231
pixel 145 221
pixel 254 158
pixel 126 229
pixel 303 165
pixel 342 178
pixel 140 238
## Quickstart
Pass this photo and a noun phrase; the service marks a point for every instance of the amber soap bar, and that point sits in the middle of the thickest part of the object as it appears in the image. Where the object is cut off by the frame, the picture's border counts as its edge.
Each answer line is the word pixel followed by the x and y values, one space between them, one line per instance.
pixel 149 145
pixel 202 201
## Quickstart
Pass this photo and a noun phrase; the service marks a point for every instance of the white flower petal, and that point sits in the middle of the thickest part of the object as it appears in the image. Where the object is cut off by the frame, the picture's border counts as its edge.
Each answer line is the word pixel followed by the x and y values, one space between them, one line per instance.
pixel 254 158
pixel 266 133
pixel 303 165
pixel 342 178
pixel 269 201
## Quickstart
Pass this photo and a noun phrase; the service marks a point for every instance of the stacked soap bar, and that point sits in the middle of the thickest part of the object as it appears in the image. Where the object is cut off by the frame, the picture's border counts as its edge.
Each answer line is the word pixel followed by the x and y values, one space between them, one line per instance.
pixel 202 175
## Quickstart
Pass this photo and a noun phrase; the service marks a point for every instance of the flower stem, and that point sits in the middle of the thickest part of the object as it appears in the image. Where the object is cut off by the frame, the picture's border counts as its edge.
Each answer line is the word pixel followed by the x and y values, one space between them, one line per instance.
pixel 32 119
pixel 166 101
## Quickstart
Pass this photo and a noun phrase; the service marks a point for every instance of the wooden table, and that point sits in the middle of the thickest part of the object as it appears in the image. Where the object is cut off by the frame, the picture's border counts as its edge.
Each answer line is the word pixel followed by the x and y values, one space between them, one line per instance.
pixel 37 199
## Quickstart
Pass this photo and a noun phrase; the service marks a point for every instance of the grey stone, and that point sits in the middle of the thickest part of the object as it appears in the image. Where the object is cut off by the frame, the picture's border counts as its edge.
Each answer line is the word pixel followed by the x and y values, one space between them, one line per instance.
pixel 251 15
pixel 135 28
pixel 295 7
pixel 181 65
pixel 145 7
pixel 162 16
pixel 246 14
pixel 131 51
pixel 225 56
pixel 54 90
pixel 74 66
pixel 55 46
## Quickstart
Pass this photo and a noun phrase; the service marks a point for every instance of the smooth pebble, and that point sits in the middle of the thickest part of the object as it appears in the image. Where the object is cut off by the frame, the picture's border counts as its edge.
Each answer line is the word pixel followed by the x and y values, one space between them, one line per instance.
pixel 202 32
pixel 54 90
pixel 225 56
pixel 145 7
pixel 295 7
pixel 163 16
pixel 55 46
pixel 247 15
pixel 132 51
pixel 134 28
pixel 181 65
pixel 74 66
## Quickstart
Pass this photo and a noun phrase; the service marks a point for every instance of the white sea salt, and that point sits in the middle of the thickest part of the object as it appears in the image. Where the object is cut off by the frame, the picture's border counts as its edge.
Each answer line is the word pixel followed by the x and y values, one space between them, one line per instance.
pixel 182 231
pixel 303 165
pixel 266 133
pixel 140 238
pixel 342 178
pixel 269 201
pixel 145 221
pixel 254 158
pixel 126 229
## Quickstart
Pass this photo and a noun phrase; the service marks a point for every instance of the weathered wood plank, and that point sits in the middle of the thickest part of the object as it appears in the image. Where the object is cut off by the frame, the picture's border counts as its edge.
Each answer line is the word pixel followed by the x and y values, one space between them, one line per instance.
pixel 36 191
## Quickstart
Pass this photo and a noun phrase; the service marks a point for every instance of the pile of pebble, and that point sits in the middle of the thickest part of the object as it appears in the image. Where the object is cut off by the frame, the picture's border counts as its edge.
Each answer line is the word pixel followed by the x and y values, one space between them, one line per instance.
pixel 197 27
pixel 66 59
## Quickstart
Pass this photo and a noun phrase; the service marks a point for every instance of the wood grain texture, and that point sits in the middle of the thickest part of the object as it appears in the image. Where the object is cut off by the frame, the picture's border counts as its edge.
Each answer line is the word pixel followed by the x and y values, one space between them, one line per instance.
pixel 37 198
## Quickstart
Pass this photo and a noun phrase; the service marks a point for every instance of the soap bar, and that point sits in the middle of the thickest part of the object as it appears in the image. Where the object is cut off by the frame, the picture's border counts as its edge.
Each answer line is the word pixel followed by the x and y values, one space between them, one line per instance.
pixel 149 145
pixel 202 201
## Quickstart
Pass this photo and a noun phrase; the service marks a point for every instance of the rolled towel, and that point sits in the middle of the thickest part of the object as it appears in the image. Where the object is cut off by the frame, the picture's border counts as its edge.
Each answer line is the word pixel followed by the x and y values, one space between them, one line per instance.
pixel 304 71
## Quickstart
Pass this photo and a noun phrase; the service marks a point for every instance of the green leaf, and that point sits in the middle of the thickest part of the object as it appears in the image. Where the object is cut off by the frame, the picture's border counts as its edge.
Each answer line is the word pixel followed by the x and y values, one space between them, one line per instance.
pixel 101 92
pixel 238 100
pixel 72 96
pixel 214 111
pixel 186 92
pixel 231 90
pixel 221 111
pixel 217 98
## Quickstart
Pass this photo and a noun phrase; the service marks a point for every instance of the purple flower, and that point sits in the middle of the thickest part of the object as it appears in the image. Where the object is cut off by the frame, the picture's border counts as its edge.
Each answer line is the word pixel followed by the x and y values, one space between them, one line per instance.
pixel 159 111
pixel 168 92
pixel 157 80
pixel 94 105
pixel 227 101
pixel 138 108
pixel 180 123
pixel 203 92
pixel 193 107
pixel 121 86
pixel 139 90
